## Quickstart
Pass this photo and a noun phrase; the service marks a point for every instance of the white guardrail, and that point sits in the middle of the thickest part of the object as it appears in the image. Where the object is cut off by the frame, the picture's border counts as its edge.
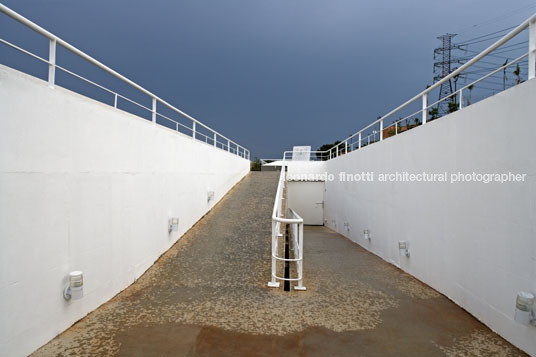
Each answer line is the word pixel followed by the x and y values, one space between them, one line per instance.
pixel 359 139
pixel 292 220
pixel 224 143
pixel 295 225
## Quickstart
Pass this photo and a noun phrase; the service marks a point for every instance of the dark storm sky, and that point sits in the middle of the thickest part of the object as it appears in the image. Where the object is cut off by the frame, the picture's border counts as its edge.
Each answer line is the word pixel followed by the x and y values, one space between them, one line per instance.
pixel 271 74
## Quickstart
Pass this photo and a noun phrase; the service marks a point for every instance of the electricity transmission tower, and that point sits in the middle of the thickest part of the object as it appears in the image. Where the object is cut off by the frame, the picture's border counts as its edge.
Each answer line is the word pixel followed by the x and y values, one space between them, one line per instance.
pixel 442 68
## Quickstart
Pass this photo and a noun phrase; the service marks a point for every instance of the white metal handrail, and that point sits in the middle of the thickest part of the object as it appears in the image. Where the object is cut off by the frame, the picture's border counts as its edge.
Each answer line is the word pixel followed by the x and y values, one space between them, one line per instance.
pixel 530 23
pixel 55 40
pixel 315 155
pixel 459 92
pixel 295 223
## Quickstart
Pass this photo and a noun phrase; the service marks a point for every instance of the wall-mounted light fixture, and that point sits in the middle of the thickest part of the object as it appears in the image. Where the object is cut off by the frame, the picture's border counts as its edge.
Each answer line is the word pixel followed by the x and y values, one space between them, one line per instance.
pixel 75 289
pixel 403 247
pixel 366 233
pixel 210 196
pixel 173 224
pixel 524 313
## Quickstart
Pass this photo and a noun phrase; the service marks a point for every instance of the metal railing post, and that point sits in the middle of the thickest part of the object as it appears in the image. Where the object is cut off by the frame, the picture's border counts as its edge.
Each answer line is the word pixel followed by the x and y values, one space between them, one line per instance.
pixel 115 100
pixel 346 147
pixel 461 98
pixel 273 283
pixel 154 110
pixel 193 130
pixel 532 49
pixel 381 130
pixel 424 107
pixel 215 140
pixel 228 146
pixel 52 63
pixel 359 140
pixel 300 261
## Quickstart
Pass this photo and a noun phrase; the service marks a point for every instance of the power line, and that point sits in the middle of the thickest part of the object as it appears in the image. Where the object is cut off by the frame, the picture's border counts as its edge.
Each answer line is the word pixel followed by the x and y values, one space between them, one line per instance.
pixel 497 19
pixel 479 41
pixel 500 49
pixel 495 54
pixel 489 34
pixel 479 63
pixel 487 81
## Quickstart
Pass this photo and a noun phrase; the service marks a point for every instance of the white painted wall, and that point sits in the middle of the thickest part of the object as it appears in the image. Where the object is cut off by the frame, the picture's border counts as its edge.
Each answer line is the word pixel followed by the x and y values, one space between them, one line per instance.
pixel 306 170
pixel 84 186
pixel 307 198
pixel 473 242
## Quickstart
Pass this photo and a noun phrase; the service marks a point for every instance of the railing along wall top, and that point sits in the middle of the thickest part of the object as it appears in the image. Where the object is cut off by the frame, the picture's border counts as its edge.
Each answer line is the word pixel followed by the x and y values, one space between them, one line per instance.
pixel 226 143
pixel 362 139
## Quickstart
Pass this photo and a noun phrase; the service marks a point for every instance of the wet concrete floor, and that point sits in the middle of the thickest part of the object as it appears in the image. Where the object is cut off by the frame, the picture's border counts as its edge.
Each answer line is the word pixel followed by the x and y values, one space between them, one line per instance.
pixel 207 296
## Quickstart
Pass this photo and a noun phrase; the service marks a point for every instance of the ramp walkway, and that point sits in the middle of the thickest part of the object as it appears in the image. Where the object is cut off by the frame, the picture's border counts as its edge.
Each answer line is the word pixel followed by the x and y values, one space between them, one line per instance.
pixel 208 296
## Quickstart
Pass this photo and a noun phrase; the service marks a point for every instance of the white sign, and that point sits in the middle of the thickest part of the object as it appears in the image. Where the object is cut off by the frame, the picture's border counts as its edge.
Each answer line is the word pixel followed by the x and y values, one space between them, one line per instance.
pixel 301 153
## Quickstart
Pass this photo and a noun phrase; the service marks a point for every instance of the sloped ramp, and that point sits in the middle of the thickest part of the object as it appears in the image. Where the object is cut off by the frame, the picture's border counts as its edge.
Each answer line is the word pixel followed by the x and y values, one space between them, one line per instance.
pixel 207 296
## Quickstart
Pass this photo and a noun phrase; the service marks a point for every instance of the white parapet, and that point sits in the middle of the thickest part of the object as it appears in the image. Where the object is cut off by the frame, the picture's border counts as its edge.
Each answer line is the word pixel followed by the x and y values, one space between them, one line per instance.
pixel 472 241
pixel 85 186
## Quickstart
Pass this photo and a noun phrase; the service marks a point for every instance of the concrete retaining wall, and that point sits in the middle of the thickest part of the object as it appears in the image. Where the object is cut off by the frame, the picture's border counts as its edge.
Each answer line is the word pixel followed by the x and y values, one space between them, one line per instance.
pixel 474 242
pixel 84 186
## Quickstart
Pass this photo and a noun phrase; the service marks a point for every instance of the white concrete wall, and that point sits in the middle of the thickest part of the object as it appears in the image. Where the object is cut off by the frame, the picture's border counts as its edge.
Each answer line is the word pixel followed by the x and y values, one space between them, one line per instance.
pixel 473 242
pixel 84 186
pixel 306 170
pixel 307 198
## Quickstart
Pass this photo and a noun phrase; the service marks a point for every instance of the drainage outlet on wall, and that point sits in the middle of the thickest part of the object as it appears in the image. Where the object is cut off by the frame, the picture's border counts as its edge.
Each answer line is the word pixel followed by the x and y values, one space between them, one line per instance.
pixel 75 289
pixel 366 233
pixel 403 247
pixel 173 225
pixel 210 196
pixel 525 313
